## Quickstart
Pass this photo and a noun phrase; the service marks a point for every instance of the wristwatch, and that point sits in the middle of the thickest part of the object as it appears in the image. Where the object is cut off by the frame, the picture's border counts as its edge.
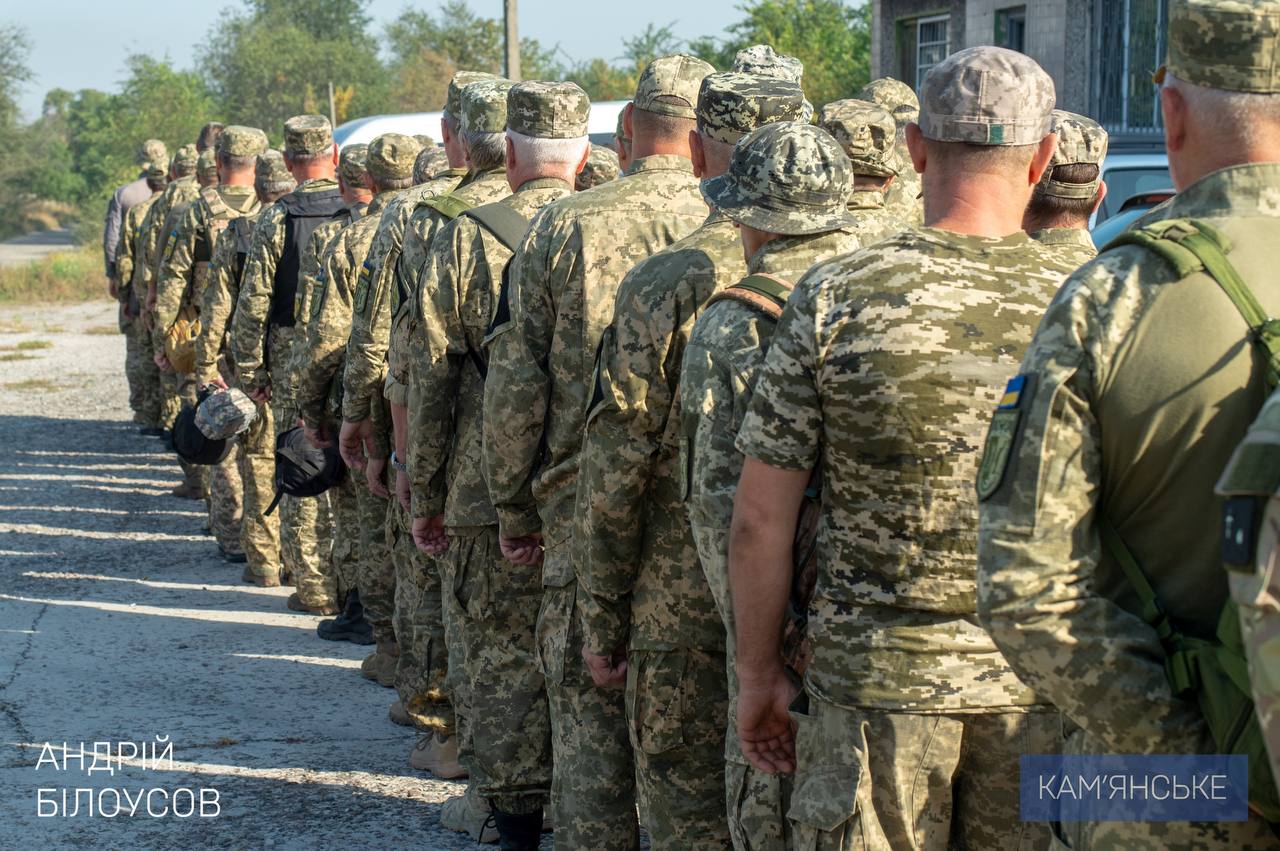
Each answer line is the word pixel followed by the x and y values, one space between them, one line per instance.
pixel 397 464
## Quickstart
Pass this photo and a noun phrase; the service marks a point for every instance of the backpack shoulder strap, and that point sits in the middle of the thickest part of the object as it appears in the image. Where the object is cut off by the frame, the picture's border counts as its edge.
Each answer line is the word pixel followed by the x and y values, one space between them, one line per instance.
pixel 448 205
pixel 1192 245
pixel 506 225
pixel 767 294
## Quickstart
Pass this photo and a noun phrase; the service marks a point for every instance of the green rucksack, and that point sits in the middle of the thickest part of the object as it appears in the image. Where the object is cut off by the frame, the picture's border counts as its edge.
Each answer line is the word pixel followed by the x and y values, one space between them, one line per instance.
pixel 1214 672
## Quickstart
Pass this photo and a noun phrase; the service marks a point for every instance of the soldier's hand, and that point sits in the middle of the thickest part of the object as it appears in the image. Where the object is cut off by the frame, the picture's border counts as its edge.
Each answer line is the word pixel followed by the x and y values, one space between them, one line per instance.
pixel 428 534
pixel 112 289
pixel 525 551
pixel 351 445
pixel 261 395
pixel 765 729
pixel 162 362
pixel 318 437
pixel 403 493
pixel 373 471
pixel 217 382
pixel 151 298
pixel 606 671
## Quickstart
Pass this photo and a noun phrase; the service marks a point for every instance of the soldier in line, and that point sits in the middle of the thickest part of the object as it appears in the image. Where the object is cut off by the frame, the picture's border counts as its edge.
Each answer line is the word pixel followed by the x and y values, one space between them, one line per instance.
pixel 546 144
pixel 562 284
pixel 622 143
pixel 866 134
pixel 649 600
pixel 259 531
pixel 123 200
pixel 881 362
pixel 181 284
pixel 602 166
pixel 1071 190
pixel 900 101
pixel 1139 384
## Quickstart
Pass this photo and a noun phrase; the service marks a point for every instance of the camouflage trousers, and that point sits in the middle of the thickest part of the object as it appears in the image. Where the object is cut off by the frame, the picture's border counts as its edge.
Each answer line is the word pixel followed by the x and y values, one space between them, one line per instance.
pixel 143 376
pixel 872 779
pixel 306 530
pixel 1257 594
pixel 593 789
pixel 259 533
pixel 348 533
pixel 423 666
pixel 226 495
pixel 510 737
pixel 677 701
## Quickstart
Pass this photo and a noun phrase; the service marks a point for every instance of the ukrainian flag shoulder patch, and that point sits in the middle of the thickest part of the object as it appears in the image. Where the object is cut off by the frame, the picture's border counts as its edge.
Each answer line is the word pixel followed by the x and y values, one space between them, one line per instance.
pixel 1002 435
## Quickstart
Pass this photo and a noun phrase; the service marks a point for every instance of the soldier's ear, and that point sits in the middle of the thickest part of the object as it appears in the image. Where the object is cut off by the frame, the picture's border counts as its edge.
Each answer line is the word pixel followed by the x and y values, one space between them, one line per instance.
pixel 917 147
pixel 1042 158
pixel 586 155
pixel 698 154
pixel 335 155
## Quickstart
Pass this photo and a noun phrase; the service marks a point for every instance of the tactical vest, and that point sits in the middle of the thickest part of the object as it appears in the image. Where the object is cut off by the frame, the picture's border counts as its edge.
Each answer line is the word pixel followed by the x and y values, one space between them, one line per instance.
pixel 507 226
pixel 220 215
pixel 303 213
pixel 448 205
pixel 242 231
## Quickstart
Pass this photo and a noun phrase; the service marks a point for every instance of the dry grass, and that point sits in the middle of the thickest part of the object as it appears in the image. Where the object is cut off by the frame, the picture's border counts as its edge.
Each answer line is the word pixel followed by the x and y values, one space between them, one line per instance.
pixel 33 385
pixel 33 345
pixel 13 356
pixel 103 330
pixel 68 276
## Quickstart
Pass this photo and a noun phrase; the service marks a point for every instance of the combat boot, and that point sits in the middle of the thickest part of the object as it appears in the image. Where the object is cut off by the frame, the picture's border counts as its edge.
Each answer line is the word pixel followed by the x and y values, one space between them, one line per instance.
pixel 187 490
pixel 470 814
pixel 230 557
pixel 295 603
pixel 518 831
pixel 262 580
pixel 438 753
pixel 380 665
pixel 351 617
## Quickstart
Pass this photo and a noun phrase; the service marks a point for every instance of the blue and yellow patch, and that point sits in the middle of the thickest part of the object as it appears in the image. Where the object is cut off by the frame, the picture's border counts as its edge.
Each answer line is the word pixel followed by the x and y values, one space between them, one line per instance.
pixel 361 300
pixel 1012 393
pixel 1002 435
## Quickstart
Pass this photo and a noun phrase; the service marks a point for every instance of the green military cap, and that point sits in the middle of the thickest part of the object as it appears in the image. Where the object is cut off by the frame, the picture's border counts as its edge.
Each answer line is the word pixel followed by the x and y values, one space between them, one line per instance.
pixel 621 132
pixel 150 151
pixel 987 96
pixel 669 85
pixel 353 163
pixel 429 163
pixel 185 159
pixel 1224 44
pixel 307 134
pixel 158 168
pixel 788 177
pixel 602 166
pixel 459 81
pixel 425 141
pixel 1081 141
pixel 391 156
pixel 207 164
pixel 548 110
pixel 484 106
pixel 895 96
pixel 866 132
pixel 762 59
pixel 236 140
pixel 732 105
pixel 271 168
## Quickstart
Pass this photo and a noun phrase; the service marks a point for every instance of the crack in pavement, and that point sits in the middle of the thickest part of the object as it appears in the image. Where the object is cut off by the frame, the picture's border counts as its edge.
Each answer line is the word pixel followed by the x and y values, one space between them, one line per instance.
pixel 10 708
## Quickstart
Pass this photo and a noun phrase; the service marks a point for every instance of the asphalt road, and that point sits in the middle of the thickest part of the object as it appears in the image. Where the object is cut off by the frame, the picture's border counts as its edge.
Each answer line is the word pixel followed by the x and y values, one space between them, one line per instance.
pixel 33 246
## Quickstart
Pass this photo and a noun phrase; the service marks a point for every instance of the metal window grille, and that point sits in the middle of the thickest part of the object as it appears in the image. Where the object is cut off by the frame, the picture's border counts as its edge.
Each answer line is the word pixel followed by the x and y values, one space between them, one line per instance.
pixel 1129 43
pixel 1011 28
pixel 933 44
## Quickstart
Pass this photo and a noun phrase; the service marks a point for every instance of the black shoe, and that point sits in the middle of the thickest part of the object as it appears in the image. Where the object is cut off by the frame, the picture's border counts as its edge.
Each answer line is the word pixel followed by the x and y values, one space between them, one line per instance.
pixel 350 625
pixel 522 832
pixel 151 431
pixel 233 558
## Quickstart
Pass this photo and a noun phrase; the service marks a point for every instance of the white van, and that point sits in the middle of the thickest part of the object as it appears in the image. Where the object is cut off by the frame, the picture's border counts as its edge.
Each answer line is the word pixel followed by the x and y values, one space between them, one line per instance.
pixel 600 125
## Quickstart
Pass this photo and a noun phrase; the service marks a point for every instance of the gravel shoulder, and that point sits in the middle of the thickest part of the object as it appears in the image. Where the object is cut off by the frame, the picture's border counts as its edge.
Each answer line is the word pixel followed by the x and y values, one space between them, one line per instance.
pixel 118 623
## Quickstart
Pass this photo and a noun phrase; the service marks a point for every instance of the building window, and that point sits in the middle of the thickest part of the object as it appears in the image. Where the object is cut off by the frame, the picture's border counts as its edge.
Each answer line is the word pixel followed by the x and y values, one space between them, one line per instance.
pixel 933 44
pixel 1011 28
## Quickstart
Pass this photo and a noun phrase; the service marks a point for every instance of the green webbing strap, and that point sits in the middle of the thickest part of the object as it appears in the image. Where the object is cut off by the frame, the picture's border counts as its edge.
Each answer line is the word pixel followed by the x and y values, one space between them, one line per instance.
pixel 448 205
pixel 766 286
pixel 506 225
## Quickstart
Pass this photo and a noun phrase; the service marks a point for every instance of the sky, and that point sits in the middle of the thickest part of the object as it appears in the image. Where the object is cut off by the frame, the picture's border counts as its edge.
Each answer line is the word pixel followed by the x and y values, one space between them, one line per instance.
pixel 78 44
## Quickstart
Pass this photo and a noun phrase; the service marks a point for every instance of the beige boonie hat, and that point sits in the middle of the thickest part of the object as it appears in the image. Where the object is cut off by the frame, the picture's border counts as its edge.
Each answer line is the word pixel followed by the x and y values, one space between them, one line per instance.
pixel 866 132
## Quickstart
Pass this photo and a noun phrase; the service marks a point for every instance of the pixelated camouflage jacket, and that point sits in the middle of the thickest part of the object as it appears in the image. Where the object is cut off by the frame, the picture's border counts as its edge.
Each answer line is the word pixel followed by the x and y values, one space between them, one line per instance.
pixel 128 265
pixel 218 302
pixel 1074 244
pixel 153 231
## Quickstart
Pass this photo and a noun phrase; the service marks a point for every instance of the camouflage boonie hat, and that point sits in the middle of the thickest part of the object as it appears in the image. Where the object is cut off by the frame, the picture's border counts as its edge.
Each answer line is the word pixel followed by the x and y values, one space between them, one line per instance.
pixel 671 78
pixel 1081 140
pixel 895 96
pixel 763 60
pixel 224 414
pixel 185 160
pixel 391 156
pixel 987 96
pixel 237 140
pixel 732 105
pixel 429 163
pixel 207 165
pixel 548 110
pixel 1224 44
pixel 602 166
pixel 484 106
pixel 425 141
pixel 307 134
pixel 866 132
pixel 271 168
pixel 150 151
pixel 353 163
pixel 157 168
pixel 621 132
pixel 458 82
pixel 789 178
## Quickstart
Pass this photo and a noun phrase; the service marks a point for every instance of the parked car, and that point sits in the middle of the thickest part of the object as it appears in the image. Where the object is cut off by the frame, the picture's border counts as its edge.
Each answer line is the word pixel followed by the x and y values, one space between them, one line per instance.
pixel 1130 211
pixel 600 125
pixel 1131 169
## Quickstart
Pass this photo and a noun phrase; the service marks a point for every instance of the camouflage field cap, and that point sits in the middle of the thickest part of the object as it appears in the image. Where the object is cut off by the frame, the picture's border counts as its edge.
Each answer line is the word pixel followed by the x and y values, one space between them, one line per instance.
pixel 207 164
pixel 458 82
pixel 236 140
pixel 224 414
pixel 866 132
pixel 157 168
pixel 987 96
pixel 425 141
pixel 731 105
pixel 1081 141
pixel 392 155
pixel 307 134
pixel 353 163
pixel 548 110
pixel 621 132
pixel 895 96
pixel 271 168
pixel 789 178
pixel 602 166
pixel 150 151
pixel 185 160
pixel 429 163
pixel 669 85
pixel 484 106
pixel 1224 44
pixel 762 59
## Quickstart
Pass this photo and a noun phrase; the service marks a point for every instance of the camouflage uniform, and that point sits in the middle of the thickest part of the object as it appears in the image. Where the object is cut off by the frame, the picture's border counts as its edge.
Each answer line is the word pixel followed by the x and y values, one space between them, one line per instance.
pixel 1074 245
pixel 140 367
pixel 904 196
pixel 1081 140
pixel 866 133
pixel 1138 386
pixel 724 352
pixel 882 362
pixel 640 583
pixel 495 602
pixel 602 166
pixel 563 283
